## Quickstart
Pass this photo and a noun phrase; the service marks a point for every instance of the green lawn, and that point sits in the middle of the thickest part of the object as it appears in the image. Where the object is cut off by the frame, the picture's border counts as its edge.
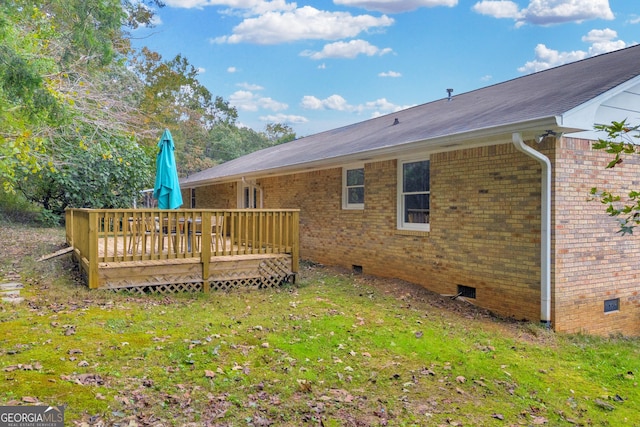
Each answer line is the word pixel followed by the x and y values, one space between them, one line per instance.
pixel 334 350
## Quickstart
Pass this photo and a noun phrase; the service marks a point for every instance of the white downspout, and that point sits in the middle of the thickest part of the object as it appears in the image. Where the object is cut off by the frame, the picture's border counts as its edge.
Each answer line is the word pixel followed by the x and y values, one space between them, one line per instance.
pixel 545 238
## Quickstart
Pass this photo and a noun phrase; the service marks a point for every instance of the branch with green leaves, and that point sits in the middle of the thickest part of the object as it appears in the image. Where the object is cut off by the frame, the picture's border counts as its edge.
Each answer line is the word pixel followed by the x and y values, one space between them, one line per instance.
pixel 619 141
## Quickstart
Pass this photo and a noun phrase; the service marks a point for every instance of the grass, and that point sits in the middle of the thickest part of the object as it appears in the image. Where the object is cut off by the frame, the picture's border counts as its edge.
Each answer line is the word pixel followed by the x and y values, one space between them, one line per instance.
pixel 334 350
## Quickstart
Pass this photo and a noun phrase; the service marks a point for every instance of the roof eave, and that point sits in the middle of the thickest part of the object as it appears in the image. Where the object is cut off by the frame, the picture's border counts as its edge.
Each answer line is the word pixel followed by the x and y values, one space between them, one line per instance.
pixel 471 139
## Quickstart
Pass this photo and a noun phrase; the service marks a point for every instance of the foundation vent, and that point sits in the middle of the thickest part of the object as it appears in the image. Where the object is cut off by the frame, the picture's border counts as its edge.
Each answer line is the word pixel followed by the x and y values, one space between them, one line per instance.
pixel 466 291
pixel 611 305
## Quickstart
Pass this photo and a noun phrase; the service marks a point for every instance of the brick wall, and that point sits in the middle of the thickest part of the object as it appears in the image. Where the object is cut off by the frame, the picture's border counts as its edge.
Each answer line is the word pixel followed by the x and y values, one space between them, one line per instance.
pixel 221 196
pixel 593 262
pixel 485 231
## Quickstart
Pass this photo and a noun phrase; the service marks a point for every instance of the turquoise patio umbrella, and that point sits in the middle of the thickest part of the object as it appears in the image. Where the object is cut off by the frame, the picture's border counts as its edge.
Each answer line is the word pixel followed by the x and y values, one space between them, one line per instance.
pixel 167 188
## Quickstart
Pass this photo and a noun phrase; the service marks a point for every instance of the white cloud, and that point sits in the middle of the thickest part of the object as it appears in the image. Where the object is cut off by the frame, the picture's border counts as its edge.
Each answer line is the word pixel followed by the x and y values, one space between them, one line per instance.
pixel 305 23
pixel 259 6
pixel 232 70
pixel 546 12
pixel 349 49
pixel 322 66
pixel 498 8
pixel 602 41
pixel 310 102
pixel 338 103
pixel 381 106
pixel 283 118
pixel 249 86
pixel 333 102
pixel 245 100
pixel 201 70
pixel 547 58
pixel 390 74
pixel 395 6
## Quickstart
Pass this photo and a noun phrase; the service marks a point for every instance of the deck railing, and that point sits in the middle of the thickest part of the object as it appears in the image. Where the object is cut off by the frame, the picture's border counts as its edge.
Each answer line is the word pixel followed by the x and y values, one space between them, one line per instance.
pixel 124 235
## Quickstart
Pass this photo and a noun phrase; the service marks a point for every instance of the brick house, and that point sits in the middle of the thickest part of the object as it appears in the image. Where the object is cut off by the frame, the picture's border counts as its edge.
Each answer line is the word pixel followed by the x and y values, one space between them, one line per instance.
pixel 483 194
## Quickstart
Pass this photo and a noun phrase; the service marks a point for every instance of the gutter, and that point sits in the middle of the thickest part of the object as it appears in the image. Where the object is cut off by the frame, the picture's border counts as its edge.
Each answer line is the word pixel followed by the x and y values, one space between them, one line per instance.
pixel 545 229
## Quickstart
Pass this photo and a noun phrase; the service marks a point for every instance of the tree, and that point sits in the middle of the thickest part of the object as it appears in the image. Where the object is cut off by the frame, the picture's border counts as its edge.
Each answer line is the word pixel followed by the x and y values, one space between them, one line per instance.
pixel 619 141
pixel 279 133
pixel 68 102
pixel 109 173
pixel 29 107
pixel 172 96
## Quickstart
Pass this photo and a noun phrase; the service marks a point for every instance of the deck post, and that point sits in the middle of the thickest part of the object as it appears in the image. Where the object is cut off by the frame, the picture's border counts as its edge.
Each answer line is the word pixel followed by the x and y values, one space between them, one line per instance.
pixel 205 251
pixel 93 250
pixel 295 242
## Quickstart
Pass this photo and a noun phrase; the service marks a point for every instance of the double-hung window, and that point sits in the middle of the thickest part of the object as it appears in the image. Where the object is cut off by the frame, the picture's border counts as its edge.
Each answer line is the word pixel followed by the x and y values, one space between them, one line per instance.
pixel 353 187
pixel 413 195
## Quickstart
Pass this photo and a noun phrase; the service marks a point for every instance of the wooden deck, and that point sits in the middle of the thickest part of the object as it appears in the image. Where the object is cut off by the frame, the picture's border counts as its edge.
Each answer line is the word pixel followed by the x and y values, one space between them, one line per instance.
pixel 184 250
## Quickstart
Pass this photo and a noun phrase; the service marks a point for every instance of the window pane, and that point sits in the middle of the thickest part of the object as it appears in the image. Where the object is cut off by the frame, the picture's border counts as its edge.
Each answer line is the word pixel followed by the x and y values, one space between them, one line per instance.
pixel 416 208
pixel 355 177
pixel 415 177
pixel 356 195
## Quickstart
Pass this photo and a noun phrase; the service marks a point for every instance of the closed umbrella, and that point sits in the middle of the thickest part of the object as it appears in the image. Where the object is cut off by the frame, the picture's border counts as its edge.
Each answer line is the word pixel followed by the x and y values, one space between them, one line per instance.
pixel 167 187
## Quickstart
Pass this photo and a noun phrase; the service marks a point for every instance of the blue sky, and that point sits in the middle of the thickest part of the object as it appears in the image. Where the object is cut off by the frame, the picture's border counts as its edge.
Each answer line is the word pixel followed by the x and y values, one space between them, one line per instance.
pixel 319 65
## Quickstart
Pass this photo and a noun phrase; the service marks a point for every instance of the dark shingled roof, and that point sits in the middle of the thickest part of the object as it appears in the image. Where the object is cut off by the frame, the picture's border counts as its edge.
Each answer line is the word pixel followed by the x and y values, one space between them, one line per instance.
pixel 541 97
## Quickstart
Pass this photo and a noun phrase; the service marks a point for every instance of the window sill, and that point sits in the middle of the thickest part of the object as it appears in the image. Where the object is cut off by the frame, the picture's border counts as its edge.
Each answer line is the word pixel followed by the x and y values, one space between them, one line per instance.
pixel 412 232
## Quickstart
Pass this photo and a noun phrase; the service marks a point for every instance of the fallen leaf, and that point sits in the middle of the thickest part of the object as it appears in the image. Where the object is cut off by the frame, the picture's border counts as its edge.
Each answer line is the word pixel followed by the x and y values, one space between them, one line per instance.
pixel 498 416
pixel 209 374
pixel 29 399
pixel 540 420
pixel 460 379
pixel 604 405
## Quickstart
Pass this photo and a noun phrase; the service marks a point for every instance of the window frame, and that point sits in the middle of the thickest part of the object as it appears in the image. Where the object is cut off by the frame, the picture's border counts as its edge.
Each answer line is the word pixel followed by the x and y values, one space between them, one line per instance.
pixel 345 188
pixel 401 224
pixel 249 193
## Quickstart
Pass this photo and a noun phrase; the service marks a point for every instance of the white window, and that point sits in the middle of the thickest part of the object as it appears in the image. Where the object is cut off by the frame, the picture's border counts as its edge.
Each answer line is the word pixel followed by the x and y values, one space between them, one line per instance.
pixel 413 195
pixel 353 187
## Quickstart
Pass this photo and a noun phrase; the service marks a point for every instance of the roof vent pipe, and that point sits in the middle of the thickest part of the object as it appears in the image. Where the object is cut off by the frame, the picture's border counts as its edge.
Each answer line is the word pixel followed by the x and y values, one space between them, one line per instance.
pixel 396 121
pixel 449 91
pixel 545 229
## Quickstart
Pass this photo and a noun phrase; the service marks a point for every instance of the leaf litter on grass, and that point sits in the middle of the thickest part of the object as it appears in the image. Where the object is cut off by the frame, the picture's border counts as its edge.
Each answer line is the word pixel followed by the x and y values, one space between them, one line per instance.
pixel 337 349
